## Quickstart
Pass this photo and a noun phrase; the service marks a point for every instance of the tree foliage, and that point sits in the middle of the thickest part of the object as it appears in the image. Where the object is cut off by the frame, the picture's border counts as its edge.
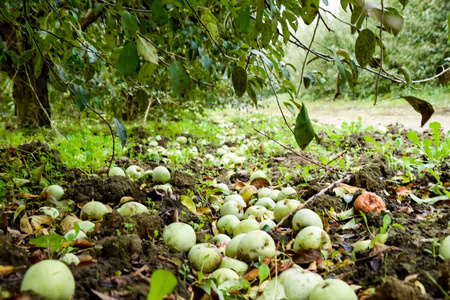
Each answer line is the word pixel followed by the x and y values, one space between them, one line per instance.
pixel 191 51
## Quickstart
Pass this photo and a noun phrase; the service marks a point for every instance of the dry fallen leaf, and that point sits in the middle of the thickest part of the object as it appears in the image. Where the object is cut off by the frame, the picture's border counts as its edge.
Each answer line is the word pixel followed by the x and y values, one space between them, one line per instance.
pixel 260 182
pixel 6 270
pixel 25 225
pixel 125 199
pixel 38 220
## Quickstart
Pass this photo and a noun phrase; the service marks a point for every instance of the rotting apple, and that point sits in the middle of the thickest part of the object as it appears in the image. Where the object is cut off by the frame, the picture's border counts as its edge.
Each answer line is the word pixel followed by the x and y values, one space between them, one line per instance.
pixel 256 211
pixel 247 192
pixel 179 237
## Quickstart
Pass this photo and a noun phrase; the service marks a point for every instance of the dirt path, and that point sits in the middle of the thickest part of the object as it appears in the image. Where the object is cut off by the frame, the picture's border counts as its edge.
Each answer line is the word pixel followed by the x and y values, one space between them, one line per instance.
pixel 384 113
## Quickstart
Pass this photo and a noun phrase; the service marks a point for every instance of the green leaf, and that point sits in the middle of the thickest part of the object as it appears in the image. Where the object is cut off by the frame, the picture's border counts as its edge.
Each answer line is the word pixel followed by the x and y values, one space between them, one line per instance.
pixel 242 21
pixel 263 273
pixel 180 79
pixel 259 15
pixel 290 107
pixel 146 72
pixel 421 106
pixel 365 47
pixel 210 22
pixel 56 82
pixel 350 81
pixel 38 65
pixel 239 79
pixel 159 13
pixel 128 59
pixel 357 18
pixel 448 27
pixel 52 241
pixel 303 131
pixel 121 132
pixel 285 30
pixel 147 50
pixel 310 9
pixel 81 98
pixel 162 284
pixel 252 94
pixel 129 24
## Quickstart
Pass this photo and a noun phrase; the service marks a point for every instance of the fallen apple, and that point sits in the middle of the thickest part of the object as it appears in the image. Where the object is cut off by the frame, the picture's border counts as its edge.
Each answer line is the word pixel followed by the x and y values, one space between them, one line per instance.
pixel 224 274
pixel 304 218
pixel 274 290
pixel 116 171
pixel 283 208
pixel 70 235
pixel 51 279
pixel 94 210
pixel 132 208
pixel 235 197
pixel 332 289
pixel 232 208
pixel 134 172
pixel 205 257
pixel 255 246
pixel 238 266
pixel 227 223
pixel 69 259
pixel 444 250
pixel 247 192
pixel 181 140
pixel 245 226
pixel 271 224
pixel 287 193
pixel 264 192
pixel 298 284
pixel 266 202
pixel 256 211
pixel 56 191
pixel 232 246
pixel 312 237
pixel 161 174
pixel 359 247
pixel 179 237
pixel 258 174
pixel 221 238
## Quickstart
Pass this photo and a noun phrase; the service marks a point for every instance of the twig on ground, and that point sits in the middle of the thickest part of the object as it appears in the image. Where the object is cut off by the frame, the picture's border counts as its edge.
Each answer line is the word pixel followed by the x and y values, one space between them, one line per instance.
pixel 323 191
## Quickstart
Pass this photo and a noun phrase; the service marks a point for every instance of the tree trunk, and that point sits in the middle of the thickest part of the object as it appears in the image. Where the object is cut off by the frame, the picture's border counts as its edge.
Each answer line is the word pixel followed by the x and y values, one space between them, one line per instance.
pixel 32 105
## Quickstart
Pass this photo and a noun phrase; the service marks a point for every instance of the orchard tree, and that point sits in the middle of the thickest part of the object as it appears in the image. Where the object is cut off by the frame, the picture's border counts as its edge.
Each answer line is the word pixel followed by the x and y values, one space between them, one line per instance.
pixel 190 50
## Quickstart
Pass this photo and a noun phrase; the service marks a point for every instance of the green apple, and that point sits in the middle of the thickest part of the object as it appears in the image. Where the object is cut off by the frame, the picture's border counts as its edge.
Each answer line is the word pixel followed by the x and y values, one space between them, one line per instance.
pixel 256 211
pixel 257 174
pixel 179 237
pixel 312 237
pixel 444 250
pixel 224 274
pixel 232 246
pixel 283 208
pixel 255 246
pixel 94 210
pixel 161 174
pixel 304 218
pixel 266 202
pixel 56 191
pixel 232 208
pixel 238 266
pixel 269 223
pixel 227 223
pixel 205 257
pixel 298 284
pixel 274 290
pixel 360 246
pixel 247 192
pixel 181 140
pixel 70 259
pixel 51 279
pixel 235 197
pixel 116 171
pixel 220 238
pixel 80 236
pixel 264 192
pixel 132 208
pixel 274 195
pixel 245 226
pixel 332 289
pixel 287 193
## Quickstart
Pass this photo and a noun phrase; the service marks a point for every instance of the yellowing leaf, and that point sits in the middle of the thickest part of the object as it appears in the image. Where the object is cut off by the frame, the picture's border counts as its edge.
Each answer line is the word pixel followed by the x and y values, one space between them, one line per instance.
pixel 147 50
pixel 189 203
